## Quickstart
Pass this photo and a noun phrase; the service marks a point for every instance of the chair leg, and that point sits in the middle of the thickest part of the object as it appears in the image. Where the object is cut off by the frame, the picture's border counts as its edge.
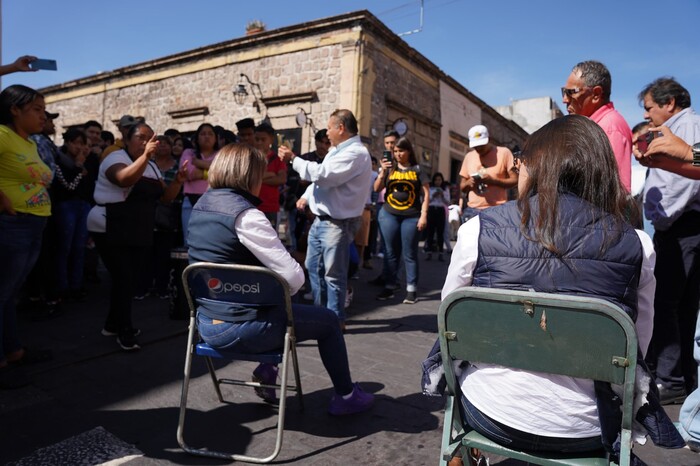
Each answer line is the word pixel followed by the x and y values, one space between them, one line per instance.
pixel 297 378
pixel 450 445
pixel 215 381
pixel 183 403
pixel 185 388
pixel 625 447
pixel 281 411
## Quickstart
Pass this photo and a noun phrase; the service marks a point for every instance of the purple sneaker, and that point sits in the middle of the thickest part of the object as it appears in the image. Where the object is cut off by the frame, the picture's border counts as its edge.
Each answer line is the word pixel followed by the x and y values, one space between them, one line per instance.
pixel 266 374
pixel 358 402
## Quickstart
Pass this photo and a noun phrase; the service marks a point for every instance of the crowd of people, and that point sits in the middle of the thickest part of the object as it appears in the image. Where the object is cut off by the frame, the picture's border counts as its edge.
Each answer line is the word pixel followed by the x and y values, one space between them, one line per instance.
pixel 223 195
pixel 131 200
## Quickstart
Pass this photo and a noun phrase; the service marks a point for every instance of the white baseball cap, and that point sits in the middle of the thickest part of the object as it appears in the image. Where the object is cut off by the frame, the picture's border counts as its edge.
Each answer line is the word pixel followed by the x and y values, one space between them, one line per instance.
pixel 478 136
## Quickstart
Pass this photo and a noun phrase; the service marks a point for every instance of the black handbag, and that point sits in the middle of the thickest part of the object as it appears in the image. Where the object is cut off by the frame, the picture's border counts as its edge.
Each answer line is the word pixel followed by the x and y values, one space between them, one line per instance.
pixel 166 216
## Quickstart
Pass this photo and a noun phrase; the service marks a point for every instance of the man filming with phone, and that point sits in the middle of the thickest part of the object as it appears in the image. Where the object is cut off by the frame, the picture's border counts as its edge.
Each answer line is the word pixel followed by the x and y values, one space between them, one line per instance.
pixel 486 174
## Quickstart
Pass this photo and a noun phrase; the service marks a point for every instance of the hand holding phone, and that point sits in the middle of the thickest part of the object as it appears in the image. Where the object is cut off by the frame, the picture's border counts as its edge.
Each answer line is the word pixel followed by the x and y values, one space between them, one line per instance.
pixel 43 64
pixel 386 155
pixel 644 140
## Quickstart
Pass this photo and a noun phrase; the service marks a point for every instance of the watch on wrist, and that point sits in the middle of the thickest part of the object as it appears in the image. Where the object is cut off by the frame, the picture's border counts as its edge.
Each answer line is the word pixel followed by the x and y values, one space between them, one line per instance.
pixel 696 154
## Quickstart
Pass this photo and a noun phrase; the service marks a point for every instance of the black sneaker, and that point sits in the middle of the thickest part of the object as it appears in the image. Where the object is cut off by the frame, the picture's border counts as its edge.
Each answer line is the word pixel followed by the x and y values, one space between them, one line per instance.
pixel 386 293
pixel 109 333
pixel 128 342
pixel 410 298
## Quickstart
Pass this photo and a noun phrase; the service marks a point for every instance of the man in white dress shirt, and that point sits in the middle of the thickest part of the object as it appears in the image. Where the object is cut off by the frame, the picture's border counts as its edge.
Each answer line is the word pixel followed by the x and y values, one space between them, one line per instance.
pixel 336 195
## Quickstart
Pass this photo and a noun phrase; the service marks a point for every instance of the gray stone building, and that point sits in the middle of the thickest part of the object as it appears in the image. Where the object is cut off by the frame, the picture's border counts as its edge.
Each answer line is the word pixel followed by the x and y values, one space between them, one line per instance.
pixel 348 61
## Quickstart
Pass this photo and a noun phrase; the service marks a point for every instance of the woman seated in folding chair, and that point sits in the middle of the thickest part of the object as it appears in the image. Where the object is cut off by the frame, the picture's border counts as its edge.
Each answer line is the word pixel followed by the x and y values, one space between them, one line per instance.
pixel 225 227
pixel 567 233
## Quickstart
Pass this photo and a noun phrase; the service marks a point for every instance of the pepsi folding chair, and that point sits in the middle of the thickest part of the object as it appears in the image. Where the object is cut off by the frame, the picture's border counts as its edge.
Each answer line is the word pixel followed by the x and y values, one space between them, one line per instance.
pixel 206 283
pixel 580 337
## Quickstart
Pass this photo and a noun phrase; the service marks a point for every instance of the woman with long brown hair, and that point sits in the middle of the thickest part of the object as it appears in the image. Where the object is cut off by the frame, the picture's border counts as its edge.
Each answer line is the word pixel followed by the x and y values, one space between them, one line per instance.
pixel 566 234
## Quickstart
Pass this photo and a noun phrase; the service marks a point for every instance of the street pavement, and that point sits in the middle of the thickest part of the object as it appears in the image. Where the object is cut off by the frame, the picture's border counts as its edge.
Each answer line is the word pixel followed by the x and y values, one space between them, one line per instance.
pixel 95 404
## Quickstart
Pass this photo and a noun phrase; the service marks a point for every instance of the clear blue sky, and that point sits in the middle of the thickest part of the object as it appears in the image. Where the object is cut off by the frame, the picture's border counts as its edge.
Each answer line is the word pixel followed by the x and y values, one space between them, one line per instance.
pixel 498 49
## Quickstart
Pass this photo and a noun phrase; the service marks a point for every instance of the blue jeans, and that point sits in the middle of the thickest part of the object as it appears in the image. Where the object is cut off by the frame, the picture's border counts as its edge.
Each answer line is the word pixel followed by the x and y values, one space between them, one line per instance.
pixel 20 244
pixel 689 417
pixel 519 440
pixel 185 217
pixel 327 260
pixel 310 323
pixel 72 234
pixel 400 235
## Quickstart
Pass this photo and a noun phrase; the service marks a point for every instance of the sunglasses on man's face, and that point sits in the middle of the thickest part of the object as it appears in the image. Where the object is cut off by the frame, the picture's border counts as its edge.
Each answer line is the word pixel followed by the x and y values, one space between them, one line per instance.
pixel 571 92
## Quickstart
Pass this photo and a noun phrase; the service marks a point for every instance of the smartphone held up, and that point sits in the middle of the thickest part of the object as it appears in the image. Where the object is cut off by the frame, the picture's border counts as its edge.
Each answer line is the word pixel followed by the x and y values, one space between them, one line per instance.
pixel 43 64
pixel 644 140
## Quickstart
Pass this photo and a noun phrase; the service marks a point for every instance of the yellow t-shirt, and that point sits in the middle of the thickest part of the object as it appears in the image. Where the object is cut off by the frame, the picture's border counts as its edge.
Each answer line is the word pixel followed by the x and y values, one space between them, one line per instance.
pixel 24 178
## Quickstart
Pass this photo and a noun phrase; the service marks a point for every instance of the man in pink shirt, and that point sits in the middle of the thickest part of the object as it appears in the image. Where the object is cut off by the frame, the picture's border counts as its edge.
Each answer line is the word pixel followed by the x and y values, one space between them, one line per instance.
pixel 587 93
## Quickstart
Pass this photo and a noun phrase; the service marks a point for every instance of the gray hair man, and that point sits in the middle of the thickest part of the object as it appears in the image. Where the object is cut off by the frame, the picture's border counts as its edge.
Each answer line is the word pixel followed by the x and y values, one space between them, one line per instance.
pixel 336 195
pixel 587 93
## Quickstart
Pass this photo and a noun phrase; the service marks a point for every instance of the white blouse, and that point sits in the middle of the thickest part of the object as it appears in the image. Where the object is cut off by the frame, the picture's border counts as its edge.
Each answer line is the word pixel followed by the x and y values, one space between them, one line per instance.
pixel 256 233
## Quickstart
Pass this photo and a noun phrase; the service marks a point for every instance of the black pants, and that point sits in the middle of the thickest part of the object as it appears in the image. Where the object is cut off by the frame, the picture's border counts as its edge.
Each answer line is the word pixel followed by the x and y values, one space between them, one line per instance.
pixel 677 273
pixel 436 224
pixel 123 264
pixel 156 269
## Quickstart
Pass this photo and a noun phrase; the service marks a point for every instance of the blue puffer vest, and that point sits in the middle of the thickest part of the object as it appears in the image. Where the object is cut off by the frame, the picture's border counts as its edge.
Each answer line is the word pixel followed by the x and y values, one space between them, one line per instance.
pixel 507 260
pixel 212 229
pixel 586 268
pixel 212 238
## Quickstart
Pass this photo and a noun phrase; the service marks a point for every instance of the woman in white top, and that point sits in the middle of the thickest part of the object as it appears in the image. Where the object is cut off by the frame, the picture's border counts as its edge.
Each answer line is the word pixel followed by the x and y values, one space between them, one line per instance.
pixel 128 186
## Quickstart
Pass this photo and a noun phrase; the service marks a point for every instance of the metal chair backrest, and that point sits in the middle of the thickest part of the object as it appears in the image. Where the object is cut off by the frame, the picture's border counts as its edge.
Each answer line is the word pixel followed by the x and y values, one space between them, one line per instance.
pixel 568 335
pixel 254 286
pixel 575 336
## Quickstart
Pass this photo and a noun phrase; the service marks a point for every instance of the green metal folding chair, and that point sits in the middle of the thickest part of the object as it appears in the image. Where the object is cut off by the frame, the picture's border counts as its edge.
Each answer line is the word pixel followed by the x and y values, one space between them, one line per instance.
pixel 254 287
pixel 579 337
